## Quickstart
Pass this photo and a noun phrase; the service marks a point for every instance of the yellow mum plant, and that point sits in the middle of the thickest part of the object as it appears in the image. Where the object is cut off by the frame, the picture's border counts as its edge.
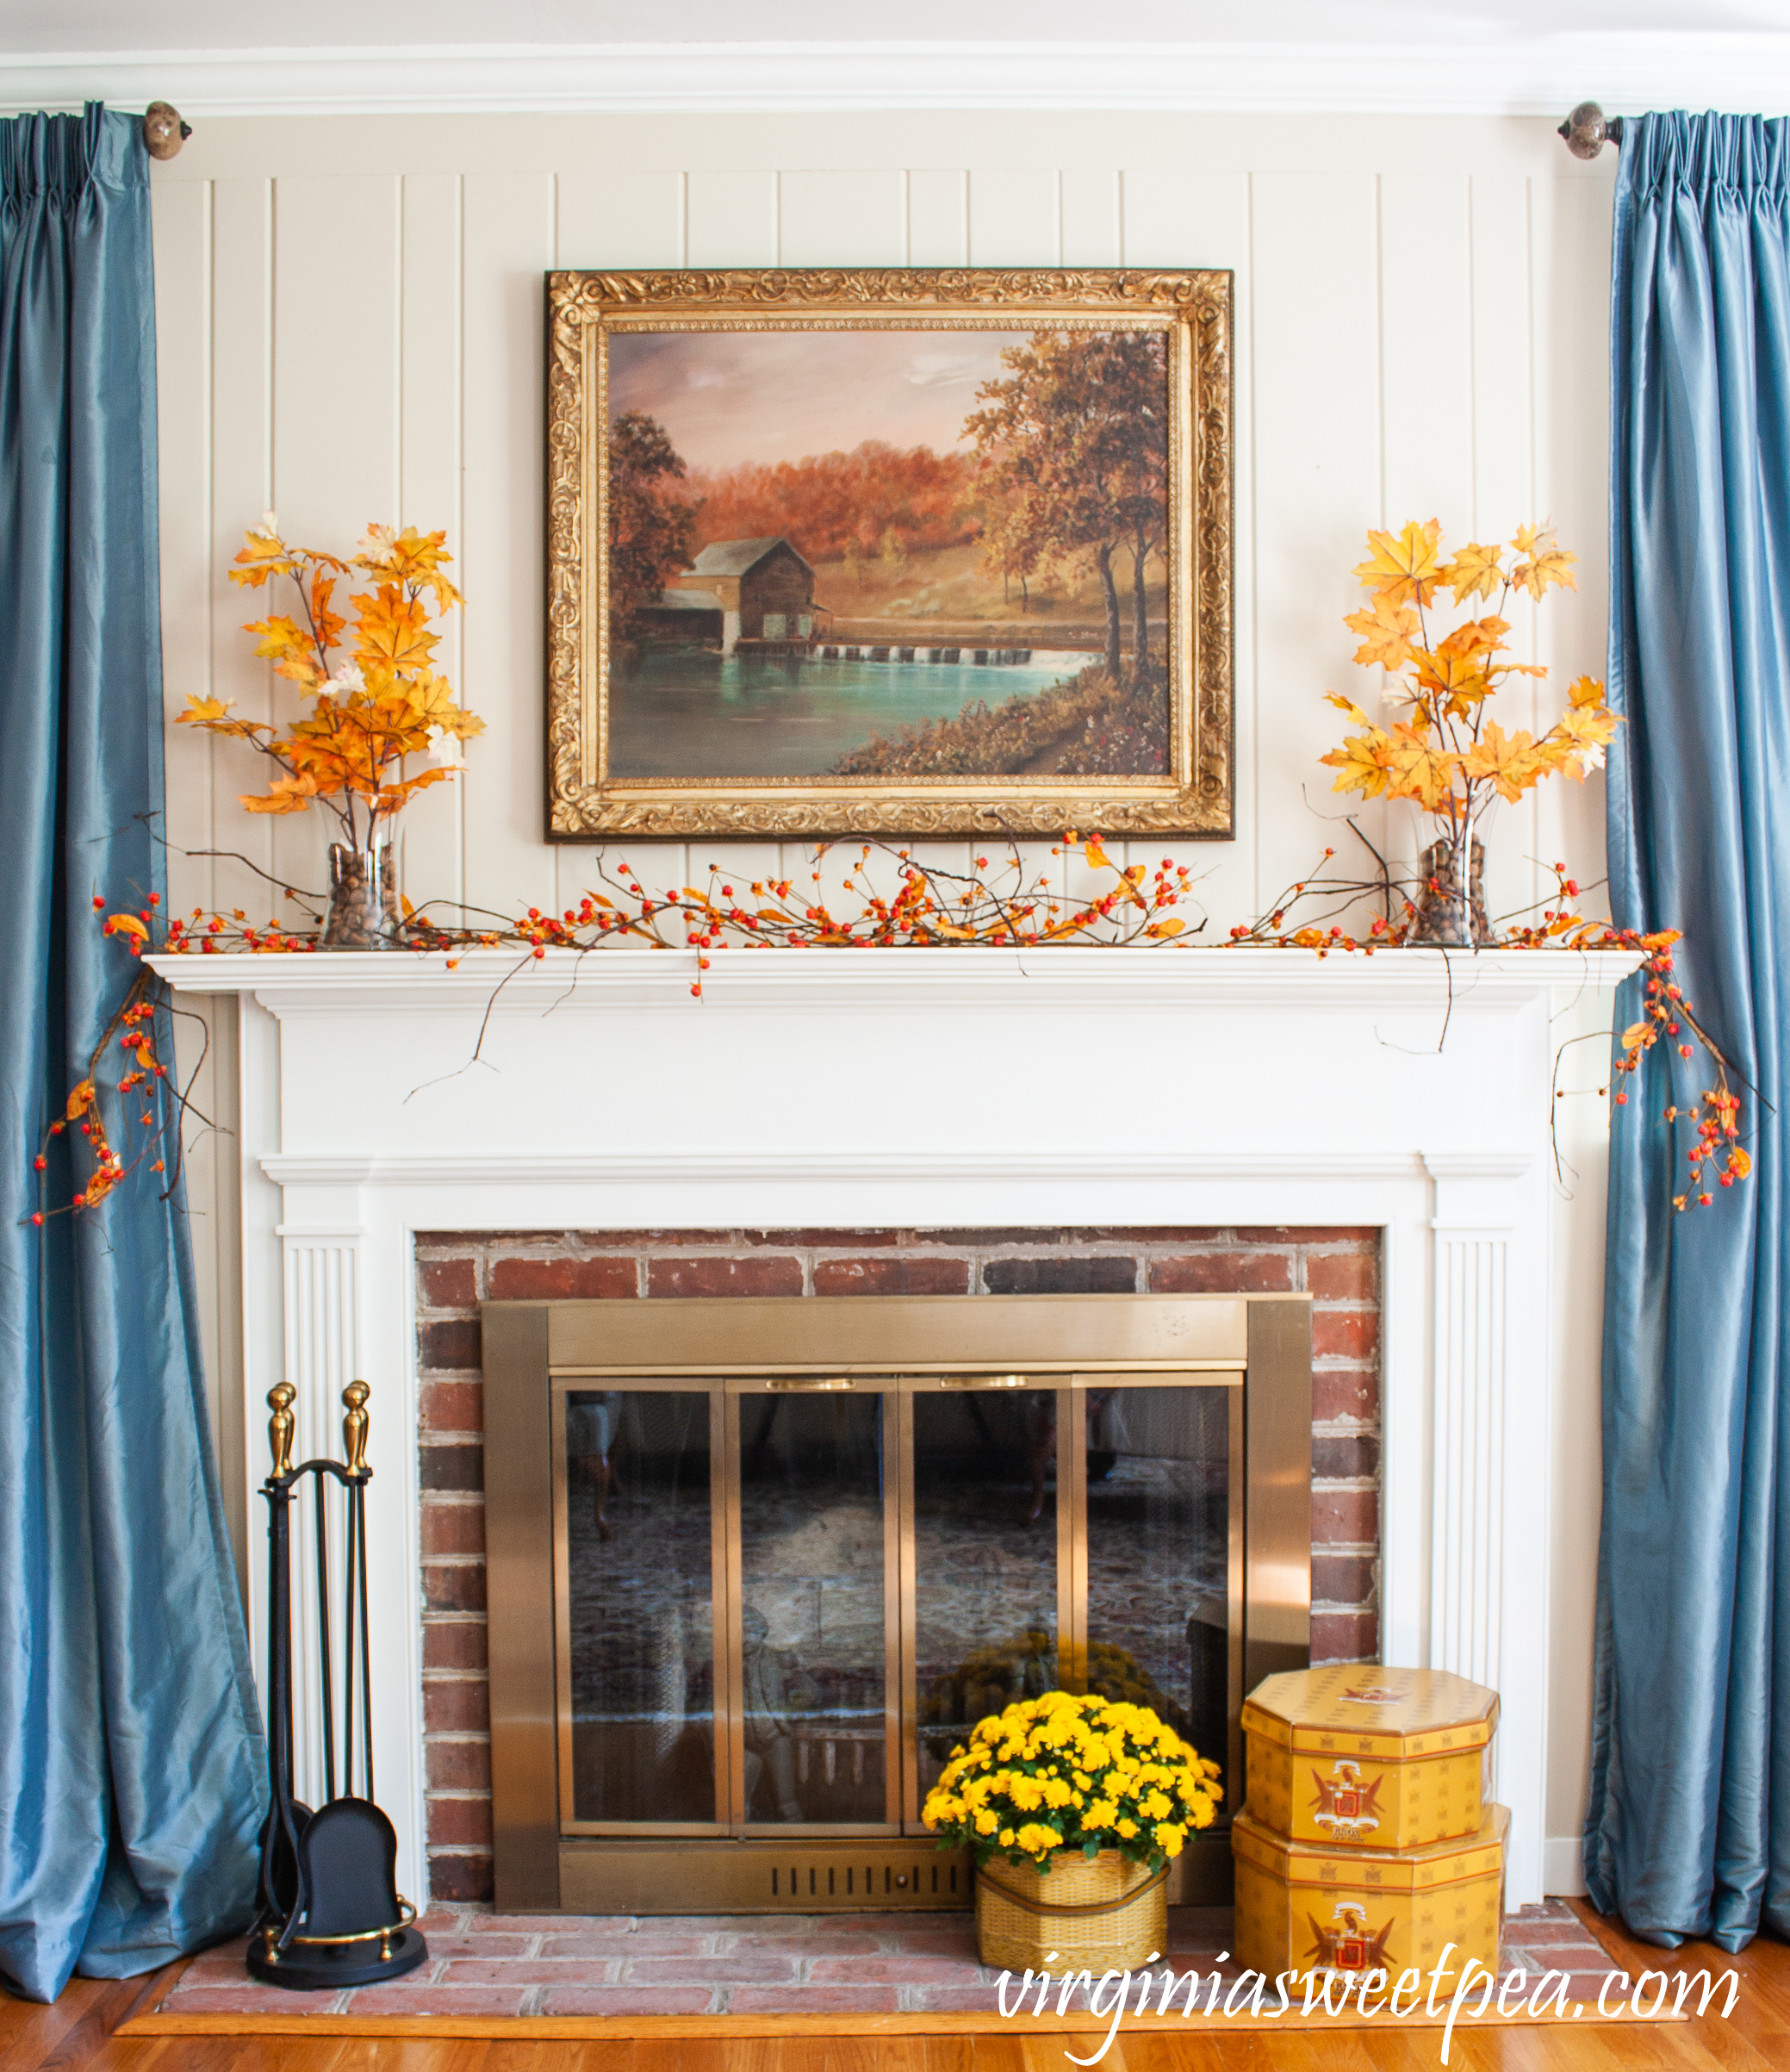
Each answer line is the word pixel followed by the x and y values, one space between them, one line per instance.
pixel 1062 1772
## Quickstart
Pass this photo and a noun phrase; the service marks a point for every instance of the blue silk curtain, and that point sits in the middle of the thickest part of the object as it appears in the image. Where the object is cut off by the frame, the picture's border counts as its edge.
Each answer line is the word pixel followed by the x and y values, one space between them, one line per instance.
pixel 130 1763
pixel 1688 1829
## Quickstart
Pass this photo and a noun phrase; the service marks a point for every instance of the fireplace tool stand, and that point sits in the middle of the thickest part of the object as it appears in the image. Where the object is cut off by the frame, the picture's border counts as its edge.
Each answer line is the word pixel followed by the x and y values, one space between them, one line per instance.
pixel 330 1915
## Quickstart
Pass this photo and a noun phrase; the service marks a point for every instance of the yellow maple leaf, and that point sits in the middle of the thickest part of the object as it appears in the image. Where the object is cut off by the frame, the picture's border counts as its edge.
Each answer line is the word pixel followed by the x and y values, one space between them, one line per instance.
pixel 1475 571
pixel 408 557
pixel 280 636
pixel 1403 570
pixel 1363 761
pixel 1545 562
pixel 328 623
pixel 393 636
pixel 265 555
pixel 1386 629
pixel 285 795
pixel 1511 761
pixel 1419 769
pixel 1585 690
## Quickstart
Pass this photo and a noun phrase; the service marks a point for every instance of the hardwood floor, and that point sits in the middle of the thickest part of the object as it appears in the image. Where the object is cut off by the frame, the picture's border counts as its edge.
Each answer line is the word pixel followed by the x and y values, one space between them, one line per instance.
pixel 76 2035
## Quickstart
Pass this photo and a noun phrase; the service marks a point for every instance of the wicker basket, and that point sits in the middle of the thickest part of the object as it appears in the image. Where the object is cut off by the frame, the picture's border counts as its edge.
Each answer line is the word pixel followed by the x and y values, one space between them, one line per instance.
pixel 1104 1913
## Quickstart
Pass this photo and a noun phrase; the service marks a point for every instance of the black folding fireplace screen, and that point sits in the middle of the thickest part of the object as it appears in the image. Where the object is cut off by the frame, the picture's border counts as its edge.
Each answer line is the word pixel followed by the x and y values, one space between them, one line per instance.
pixel 780 1599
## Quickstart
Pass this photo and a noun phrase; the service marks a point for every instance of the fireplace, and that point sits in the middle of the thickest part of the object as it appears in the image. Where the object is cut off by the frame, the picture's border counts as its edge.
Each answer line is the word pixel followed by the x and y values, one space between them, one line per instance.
pixel 757 1564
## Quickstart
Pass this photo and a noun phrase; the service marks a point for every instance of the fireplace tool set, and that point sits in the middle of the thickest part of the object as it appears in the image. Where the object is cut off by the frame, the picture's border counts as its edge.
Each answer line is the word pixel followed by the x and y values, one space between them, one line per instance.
pixel 330 1915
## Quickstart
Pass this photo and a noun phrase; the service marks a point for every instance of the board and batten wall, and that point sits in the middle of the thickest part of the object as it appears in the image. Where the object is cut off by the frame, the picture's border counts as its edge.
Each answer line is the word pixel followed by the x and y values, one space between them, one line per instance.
pixel 350 328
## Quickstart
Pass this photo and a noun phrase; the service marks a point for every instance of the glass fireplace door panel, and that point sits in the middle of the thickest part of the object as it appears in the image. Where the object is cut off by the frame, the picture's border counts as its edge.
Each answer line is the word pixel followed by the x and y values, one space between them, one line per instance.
pixel 811 1644
pixel 983 1511
pixel 636 1530
pixel 1162 1557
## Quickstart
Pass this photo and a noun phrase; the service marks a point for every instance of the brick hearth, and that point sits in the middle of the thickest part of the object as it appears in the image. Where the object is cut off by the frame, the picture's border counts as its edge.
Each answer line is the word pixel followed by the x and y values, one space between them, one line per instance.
pixel 456 1270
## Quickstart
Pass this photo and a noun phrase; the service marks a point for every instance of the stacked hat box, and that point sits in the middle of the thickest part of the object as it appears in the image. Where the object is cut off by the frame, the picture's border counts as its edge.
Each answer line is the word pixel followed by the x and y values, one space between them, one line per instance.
pixel 1368 1843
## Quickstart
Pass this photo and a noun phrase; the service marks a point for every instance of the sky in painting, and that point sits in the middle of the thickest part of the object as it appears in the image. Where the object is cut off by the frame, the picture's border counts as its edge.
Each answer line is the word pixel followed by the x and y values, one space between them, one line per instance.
pixel 725 397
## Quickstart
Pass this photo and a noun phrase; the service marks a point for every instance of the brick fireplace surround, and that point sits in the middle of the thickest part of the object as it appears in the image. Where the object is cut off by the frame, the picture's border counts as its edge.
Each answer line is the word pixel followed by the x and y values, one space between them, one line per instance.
pixel 1339 1268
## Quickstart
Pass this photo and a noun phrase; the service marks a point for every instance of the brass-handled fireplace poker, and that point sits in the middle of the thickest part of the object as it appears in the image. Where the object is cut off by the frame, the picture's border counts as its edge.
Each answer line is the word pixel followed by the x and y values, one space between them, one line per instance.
pixel 328 1877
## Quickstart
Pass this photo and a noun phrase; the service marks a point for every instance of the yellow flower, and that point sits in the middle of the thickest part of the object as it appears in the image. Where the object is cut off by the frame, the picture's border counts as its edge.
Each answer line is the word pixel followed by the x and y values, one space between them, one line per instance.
pixel 986 1822
pixel 1006 1837
pixel 1056 1792
pixel 1169 1839
pixel 1127 1826
pixel 1081 1780
pixel 1038 1841
pixel 1155 1806
pixel 1101 1812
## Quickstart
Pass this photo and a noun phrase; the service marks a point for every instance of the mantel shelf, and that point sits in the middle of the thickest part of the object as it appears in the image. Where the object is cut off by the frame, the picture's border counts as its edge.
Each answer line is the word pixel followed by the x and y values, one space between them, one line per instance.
pixel 1132 978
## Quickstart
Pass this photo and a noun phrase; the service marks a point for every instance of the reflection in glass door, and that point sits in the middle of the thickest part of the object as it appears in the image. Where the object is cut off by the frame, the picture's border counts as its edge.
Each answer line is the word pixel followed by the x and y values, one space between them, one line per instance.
pixel 1160 1564
pixel 983 1586
pixel 813 1618
pixel 637 1627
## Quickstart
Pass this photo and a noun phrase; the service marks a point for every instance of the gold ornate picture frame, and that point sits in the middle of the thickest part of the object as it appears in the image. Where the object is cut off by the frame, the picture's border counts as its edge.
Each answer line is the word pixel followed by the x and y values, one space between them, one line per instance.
pixel 761 624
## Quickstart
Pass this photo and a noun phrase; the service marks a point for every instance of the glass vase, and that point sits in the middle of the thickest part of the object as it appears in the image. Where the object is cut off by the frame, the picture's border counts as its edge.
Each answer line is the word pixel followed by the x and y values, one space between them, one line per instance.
pixel 364 908
pixel 1450 908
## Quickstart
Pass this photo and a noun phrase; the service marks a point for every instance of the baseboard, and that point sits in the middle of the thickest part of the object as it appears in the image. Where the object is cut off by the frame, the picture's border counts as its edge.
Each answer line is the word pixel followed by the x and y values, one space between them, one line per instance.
pixel 1563 1867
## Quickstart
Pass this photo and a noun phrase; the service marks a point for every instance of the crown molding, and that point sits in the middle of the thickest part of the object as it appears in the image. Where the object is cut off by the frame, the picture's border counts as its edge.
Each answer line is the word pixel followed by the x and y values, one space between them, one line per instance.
pixel 1539 76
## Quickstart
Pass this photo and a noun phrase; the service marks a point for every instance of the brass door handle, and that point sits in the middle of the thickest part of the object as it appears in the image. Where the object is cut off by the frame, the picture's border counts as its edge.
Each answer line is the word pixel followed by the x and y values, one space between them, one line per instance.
pixel 984 1381
pixel 805 1384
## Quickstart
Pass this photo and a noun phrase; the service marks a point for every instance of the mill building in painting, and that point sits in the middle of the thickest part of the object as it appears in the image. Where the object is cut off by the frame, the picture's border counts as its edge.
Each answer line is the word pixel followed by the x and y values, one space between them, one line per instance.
pixel 738 589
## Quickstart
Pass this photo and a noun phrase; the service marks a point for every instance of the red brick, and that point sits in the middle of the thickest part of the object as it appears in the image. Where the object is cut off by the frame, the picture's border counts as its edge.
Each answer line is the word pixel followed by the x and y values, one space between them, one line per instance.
pixel 930 1274
pixel 1064 1275
pixel 708 1277
pixel 1345 1636
pixel 1345 1517
pixel 892 1971
pixel 450 1283
pixel 452 1406
pixel 459 1765
pixel 453 1644
pixel 1352 1457
pixel 414 1995
pixel 460 1875
pixel 1341 1394
pixel 1222 1274
pixel 1345 1334
pixel 622 1941
pixel 451 1942
pixel 713 1970
pixel 246 1999
pixel 1307 1233
pixel 645 1240
pixel 858 1240
pixel 629 1999
pixel 451 1344
pixel 974 2000
pixel 548 1280
pixel 1342 1578
pixel 504 1971
pixel 456 1704
pixel 451 1467
pixel 1343 1276
pixel 812 1999
pixel 459 1820
pixel 453 1528
pixel 1148 1233
pixel 983 1240
pixel 454 1586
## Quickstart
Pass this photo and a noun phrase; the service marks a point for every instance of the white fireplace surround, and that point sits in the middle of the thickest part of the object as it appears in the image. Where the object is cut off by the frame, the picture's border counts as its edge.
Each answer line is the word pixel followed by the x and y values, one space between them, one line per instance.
pixel 1411 1091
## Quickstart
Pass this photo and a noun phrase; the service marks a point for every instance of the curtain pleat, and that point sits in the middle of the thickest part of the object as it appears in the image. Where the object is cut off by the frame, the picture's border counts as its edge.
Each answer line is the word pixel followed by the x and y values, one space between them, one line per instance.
pixel 130 1752
pixel 1687 1831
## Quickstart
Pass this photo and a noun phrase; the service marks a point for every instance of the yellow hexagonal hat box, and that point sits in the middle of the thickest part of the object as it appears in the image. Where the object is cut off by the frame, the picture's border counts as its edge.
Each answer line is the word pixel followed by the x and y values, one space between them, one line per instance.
pixel 1357 1757
pixel 1304 1907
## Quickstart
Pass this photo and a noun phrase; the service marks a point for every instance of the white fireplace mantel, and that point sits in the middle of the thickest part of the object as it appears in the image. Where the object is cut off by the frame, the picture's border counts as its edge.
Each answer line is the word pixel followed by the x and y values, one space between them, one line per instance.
pixel 1411 1091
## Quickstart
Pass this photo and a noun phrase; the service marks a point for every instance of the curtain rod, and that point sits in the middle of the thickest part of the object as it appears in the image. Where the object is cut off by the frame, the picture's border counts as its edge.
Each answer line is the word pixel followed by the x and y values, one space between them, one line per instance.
pixel 1586 131
pixel 163 132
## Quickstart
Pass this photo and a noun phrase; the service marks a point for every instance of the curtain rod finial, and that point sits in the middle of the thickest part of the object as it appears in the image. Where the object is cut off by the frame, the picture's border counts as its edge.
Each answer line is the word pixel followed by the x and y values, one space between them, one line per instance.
pixel 1586 131
pixel 163 132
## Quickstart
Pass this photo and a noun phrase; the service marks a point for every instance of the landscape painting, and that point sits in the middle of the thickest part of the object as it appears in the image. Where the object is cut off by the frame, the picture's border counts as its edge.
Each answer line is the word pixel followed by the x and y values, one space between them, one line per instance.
pixel 911 565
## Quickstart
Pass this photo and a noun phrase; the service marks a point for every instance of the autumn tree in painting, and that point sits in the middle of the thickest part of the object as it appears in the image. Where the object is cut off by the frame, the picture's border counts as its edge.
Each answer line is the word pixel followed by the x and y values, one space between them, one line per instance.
pixel 649 530
pixel 1074 450
pixel 876 501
